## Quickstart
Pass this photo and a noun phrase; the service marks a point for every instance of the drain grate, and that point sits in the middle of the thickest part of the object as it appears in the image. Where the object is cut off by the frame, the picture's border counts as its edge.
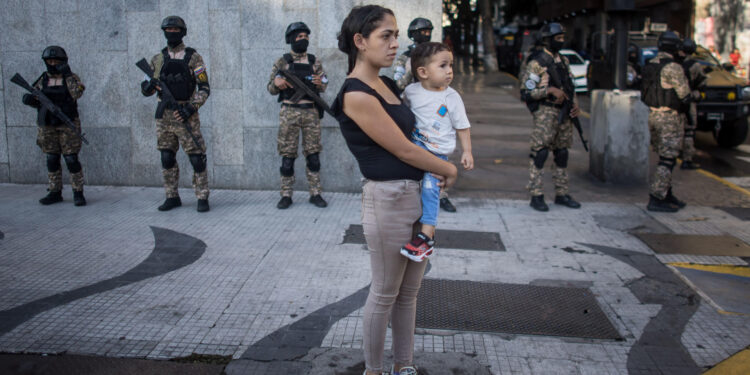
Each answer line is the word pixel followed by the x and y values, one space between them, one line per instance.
pixel 667 243
pixel 445 239
pixel 511 308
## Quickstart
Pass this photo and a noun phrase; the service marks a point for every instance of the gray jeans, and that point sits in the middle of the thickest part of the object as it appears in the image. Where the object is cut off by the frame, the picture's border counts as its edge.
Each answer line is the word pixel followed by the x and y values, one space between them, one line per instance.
pixel 389 211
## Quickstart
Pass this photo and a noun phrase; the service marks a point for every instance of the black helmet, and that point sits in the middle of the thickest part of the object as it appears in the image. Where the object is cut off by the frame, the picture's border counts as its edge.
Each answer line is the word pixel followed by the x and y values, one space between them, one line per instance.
pixel 174 21
pixel 293 29
pixel 669 42
pixel 688 46
pixel 416 25
pixel 55 52
pixel 551 29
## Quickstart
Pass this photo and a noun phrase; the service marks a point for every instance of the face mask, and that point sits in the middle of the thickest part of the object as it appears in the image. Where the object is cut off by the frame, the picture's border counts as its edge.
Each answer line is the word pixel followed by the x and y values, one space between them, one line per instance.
pixel 419 38
pixel 173 38
pixel 54 69
pixel 555 46
pixel 300 46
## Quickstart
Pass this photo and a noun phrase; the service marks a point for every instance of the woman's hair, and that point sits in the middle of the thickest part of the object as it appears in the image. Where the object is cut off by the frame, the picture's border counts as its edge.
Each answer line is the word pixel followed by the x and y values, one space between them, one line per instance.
pixel 422 54
pixel 361 20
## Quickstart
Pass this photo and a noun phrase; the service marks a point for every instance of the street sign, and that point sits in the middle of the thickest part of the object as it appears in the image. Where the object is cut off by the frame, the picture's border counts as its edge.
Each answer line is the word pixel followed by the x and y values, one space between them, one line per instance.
pixel 659 27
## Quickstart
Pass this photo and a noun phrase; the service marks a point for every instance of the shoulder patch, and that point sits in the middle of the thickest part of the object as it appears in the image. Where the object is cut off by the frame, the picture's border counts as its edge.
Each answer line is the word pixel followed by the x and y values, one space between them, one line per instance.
pixel 530 84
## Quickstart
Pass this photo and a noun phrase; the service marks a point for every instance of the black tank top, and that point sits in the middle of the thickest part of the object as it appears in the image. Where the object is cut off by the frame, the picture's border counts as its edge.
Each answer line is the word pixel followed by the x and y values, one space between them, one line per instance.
pixel 375 162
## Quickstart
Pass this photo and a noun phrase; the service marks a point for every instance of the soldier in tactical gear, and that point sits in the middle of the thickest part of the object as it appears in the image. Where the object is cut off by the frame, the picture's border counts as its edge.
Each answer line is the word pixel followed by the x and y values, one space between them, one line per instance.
pixel 301 116
pixel 63 88
pixel 696 76
pixel 546 83
pixel 183 71
pixel 665 90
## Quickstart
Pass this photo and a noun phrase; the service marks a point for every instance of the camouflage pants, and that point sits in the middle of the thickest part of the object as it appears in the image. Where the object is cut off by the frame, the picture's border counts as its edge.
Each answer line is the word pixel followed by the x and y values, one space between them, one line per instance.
pixel 61 140
pixel 292 122
pixel 548 133
pixel 688 146
pixel 666 138
pixel 170 135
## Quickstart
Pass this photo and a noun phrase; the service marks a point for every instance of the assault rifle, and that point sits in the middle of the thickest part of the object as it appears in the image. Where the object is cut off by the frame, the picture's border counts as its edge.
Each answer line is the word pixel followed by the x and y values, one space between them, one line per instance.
pixel 301 90
pixel 167 99
pixel 567 105
pixel 47 106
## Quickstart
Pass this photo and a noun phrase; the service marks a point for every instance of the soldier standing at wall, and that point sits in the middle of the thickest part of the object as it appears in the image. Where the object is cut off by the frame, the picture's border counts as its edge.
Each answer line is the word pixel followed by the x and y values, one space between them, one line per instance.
pixel 696 76
pixel 419 31
pixel 301 116
pixel 63 88
pixel 182 70
pixel 545 98
pixel 665 91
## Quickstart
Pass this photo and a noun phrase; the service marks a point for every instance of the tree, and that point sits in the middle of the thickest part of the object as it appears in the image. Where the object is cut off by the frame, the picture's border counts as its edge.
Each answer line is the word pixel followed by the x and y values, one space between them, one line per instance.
pixel 488 36
pixel 729 15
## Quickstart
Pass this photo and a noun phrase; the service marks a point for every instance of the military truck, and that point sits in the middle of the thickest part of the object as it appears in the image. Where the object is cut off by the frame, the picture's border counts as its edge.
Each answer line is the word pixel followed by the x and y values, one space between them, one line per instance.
pixel 725 102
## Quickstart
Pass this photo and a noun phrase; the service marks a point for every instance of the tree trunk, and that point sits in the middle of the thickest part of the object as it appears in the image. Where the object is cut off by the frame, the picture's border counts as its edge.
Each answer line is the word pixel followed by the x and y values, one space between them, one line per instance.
pixel 488 36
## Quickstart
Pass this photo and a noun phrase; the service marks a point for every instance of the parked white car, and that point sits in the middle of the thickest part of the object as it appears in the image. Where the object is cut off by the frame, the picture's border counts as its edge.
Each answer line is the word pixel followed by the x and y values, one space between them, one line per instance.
pixel 578 66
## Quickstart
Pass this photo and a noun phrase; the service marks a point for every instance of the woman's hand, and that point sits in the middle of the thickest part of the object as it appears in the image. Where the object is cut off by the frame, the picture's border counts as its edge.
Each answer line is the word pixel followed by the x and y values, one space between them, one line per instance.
pixel 467 160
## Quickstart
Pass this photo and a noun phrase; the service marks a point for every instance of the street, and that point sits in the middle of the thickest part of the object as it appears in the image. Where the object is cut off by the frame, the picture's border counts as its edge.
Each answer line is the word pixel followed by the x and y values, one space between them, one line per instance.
pixel 249 289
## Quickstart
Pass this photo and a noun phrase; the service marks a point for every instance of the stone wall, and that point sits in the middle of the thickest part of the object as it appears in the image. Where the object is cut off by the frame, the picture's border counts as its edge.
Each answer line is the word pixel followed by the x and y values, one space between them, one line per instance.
pixel 239 41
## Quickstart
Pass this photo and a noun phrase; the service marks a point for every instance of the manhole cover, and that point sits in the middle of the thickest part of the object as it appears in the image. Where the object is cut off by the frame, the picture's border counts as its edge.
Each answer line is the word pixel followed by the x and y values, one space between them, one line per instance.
pixel 445 238
pixel 666 243
pixel 511 308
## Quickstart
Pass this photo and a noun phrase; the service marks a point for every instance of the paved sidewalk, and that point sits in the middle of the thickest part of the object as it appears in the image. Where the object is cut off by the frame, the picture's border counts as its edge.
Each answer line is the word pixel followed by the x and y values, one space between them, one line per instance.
pixel 257 270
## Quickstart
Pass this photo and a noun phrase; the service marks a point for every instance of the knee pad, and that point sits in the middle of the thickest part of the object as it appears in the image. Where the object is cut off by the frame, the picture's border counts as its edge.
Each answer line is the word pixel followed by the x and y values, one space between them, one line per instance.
pixel 667 162
pixel 53 162
pixel 313 162
pixel 198 161
pixel 561 157
pixel 71 160
pixel 539 157
pixel 168 159
pixel 287 167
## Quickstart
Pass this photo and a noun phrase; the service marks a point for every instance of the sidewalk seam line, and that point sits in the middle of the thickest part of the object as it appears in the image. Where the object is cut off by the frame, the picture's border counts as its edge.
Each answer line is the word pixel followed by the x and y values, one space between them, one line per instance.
pixel 723 181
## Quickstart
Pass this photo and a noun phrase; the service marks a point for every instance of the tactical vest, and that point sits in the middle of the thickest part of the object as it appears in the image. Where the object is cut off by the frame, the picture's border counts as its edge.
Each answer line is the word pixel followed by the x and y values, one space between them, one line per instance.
pixel 60 96
pixel 559 78
pixel 304 72
pixel 694 83
pixel 651 91
pixel 177 74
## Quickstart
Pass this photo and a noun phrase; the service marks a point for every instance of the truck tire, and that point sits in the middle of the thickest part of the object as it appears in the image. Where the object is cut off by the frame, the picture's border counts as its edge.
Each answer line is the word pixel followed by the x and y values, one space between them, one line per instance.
pixel 733 134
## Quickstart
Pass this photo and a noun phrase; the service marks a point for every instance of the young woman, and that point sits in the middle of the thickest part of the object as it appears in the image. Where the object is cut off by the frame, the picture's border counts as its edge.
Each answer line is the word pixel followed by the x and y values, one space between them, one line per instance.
pixel 376 124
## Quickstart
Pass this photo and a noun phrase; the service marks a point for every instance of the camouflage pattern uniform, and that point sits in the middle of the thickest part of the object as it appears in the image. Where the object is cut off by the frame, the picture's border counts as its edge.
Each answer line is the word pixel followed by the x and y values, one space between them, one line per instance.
pixel 402 70
pixel 171 134
pixel 61 139
pixel 665 125
pixel 292 121
pixel 547 133
pixel 696 74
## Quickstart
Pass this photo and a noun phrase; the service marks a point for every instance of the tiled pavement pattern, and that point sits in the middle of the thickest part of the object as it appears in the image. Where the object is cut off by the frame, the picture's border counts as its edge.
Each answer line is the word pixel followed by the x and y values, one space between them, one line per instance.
pixel 264 269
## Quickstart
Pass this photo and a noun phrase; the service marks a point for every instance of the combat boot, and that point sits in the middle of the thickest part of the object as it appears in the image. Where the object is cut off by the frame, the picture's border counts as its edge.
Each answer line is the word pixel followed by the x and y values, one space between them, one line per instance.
pixel 446 205
pixel 672 199
pixel 537 203
pixel 687 164
pixel 567 200
pixel 318 201
pixel 52 197
pixel 660 205
pixel 284 203
pixel 170 203
pixel 203 205
pixel 78 199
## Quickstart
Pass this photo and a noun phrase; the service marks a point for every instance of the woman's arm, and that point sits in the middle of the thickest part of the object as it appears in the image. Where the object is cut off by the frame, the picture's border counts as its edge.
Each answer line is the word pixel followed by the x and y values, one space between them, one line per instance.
pixel 366 111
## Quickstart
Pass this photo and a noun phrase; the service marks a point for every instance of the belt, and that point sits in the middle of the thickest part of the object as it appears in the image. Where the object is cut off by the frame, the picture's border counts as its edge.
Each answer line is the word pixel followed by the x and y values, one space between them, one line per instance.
pixel 550 104
pixel 299 105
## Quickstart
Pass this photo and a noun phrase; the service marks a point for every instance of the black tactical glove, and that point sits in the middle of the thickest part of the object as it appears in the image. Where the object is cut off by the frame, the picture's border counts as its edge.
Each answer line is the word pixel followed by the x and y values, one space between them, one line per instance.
pixel 185 111
pixel 148 86
pixel 30 100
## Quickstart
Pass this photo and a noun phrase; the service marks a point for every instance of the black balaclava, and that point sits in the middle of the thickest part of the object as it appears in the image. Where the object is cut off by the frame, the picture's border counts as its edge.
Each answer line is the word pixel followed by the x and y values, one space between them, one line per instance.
pixel 555 46
pixel 54 69
pixel 300 46
pixel 174 38
pixel 419 38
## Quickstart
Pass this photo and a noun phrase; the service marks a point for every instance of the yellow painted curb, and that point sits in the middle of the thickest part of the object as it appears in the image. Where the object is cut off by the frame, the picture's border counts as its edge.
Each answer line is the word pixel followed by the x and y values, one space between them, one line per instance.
pixel 738 364
pixel 716 268
pixel 511 76
pixel 723 181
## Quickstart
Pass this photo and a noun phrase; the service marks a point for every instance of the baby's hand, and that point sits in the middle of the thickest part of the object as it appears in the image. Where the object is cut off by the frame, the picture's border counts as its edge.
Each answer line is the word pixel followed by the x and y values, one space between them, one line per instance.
pixel 467 161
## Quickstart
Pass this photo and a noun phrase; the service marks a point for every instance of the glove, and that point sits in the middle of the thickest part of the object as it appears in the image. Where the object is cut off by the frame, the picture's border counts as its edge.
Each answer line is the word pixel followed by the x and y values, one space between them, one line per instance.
pixel 148 86
pixel 185 111
pixel 31 101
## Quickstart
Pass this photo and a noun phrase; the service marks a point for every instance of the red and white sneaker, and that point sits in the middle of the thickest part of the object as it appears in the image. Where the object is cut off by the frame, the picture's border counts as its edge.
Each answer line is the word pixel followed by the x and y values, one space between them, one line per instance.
pixel 419 248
